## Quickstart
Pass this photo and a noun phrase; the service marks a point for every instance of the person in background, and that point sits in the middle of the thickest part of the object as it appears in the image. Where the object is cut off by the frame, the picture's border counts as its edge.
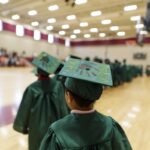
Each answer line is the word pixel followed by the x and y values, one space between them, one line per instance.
pixel 87 58
pixel 43 102
pixel 85 128
pixel 98 60
pixel 147 70
pixel 13 59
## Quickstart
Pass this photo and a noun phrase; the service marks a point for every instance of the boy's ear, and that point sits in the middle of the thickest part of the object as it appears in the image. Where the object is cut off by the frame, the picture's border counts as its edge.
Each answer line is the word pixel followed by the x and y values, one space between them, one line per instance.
pixel 70 97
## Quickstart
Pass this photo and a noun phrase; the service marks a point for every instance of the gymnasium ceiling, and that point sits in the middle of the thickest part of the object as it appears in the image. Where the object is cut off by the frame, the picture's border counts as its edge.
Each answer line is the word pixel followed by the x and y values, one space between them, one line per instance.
pixel 109 9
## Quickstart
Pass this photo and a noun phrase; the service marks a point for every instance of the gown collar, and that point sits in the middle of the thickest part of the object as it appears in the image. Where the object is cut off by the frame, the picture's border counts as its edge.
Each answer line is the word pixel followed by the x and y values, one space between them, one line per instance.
pixel 82 112
pixel 43 78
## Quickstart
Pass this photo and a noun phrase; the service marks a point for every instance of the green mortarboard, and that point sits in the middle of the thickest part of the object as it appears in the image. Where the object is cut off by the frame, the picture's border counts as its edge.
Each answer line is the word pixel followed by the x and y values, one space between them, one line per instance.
pixel 87 70
pixel 46 62
pixel 85 78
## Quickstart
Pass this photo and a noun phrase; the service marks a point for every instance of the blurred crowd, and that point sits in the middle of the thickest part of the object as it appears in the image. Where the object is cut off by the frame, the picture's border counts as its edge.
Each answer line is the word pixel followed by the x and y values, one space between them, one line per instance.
pixel 13 59
pixel 147 70
pixel 123 72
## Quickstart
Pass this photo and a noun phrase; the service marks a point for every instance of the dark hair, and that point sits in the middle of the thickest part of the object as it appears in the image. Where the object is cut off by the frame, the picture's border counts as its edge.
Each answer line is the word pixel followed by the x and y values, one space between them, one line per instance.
pixel 42 72
pixel 81 102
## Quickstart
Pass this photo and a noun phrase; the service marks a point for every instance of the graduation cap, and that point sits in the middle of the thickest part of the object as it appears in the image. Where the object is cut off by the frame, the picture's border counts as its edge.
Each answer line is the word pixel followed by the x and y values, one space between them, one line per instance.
pixel 46 62
pixel 85 78
pixel 87 70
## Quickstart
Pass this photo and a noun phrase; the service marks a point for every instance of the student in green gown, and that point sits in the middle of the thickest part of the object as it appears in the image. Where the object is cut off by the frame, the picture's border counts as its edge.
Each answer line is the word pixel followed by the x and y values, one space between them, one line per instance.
pixel 147 70
pixel 85 128
pixel 43 102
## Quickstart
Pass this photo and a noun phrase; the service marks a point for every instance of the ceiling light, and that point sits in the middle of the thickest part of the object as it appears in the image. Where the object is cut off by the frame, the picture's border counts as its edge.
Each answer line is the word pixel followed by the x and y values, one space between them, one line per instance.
pixel 76 31
pixel 37 35
pixel 102 34
pixel 71 17
pixel 35 23
pixel 19 30
pixel 104 22
pixel 130 8
pixel 139 26
pixel 32 12
pixel 96 13
pixel 73 36
pixel 79 2
pixel 51 20
pixel 65 26
pixel 62 32
pixel 15 17
pixel 135 18
pixel 53 7
pixel 93 30
pixel 121 33
pixel 143 32
pixel 84 24
pixel 4 1
pixel 50 38
pixel 87 35
pixel 1 25
pixel 114 28
pixel 49 28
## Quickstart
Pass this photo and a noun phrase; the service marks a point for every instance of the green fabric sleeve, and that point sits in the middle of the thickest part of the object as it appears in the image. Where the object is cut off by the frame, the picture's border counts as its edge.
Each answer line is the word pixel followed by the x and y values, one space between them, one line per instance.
pixel 50 141
pixel 64 110
pixel 119 138
pixel 21 122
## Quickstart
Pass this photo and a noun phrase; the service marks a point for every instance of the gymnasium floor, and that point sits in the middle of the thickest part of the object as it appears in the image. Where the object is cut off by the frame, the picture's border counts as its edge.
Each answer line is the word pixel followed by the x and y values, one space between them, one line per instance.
pixel 129 104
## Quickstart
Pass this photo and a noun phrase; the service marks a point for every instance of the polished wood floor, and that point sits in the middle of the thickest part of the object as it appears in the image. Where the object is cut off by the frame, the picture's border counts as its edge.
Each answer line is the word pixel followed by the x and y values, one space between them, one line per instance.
pixel 129 104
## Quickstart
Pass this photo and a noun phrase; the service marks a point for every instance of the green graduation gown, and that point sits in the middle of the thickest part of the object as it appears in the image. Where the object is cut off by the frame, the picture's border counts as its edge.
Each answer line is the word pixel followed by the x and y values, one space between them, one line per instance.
pixel 92 131
pixel 43 103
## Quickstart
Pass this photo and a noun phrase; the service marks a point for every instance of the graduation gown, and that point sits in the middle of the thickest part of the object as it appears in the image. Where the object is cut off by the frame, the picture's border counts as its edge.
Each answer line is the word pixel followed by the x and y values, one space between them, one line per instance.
pixel 92 131
pixel 43 103
pixel 148 72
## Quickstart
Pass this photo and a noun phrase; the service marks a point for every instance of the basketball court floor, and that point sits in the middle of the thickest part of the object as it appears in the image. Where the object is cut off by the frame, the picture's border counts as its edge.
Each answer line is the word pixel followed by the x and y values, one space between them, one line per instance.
pixel 129 104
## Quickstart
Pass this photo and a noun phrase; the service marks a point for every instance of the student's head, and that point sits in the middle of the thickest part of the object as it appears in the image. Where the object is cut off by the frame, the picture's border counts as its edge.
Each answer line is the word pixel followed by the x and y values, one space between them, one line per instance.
pixel 87 58
pixel 124 61
pixel 45 64
pixel 84 82
pixel 107 61
pixel 82 94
